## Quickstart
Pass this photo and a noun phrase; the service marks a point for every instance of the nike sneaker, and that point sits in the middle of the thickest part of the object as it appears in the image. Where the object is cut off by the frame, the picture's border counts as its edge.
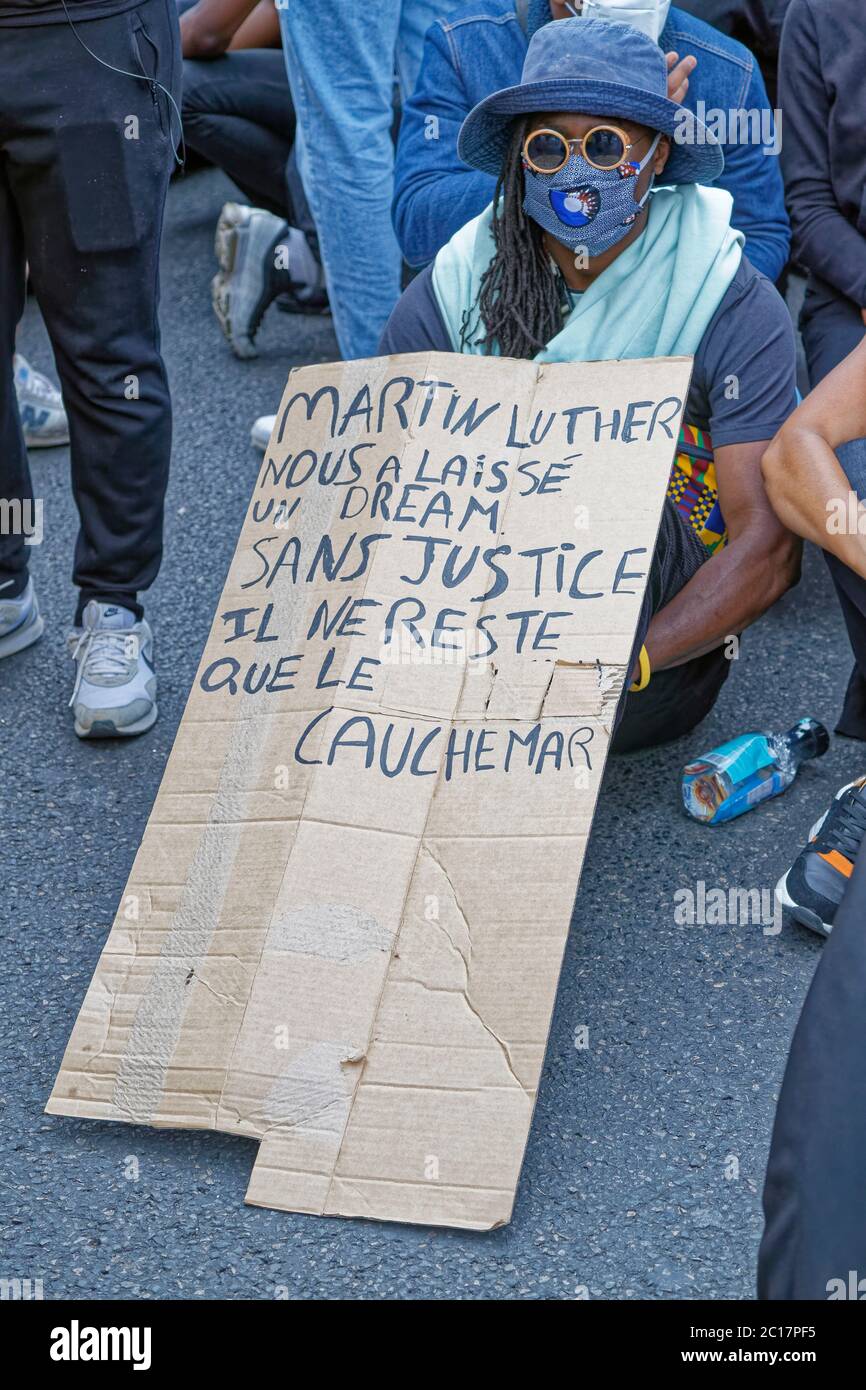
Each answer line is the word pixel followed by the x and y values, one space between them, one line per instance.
pixel 115 683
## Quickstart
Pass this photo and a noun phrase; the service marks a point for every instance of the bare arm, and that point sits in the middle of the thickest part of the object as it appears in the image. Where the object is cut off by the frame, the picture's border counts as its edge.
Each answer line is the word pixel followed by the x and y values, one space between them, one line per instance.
pixel 804 480
pixel 740 582
pixel 260 30
pixel 208 28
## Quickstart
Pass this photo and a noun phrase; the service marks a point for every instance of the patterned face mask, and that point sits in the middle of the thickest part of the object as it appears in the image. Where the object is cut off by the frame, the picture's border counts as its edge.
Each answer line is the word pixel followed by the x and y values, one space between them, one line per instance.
pixel 586 208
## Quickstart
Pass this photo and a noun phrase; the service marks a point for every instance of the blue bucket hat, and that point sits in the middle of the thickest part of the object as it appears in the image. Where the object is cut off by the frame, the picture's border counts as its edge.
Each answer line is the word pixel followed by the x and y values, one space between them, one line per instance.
pixel 599 68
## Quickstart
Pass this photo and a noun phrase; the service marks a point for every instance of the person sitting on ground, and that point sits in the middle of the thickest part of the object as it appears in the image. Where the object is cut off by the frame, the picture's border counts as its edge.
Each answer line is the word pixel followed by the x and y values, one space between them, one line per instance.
pixel 583 254
pixel 238 114
pixel 482 47
pixel 815 475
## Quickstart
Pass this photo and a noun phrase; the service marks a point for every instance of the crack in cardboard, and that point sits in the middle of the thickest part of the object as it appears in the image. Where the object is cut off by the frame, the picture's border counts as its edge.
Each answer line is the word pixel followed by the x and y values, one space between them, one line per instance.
pixel 431 853
pixel 464 995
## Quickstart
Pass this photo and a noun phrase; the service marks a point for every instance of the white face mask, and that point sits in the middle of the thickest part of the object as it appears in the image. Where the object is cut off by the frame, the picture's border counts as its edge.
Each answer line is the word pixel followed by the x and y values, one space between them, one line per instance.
pixel 649 16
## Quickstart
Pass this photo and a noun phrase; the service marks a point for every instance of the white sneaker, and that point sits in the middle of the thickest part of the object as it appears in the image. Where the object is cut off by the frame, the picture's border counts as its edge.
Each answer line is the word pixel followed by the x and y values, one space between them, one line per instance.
pixel 260 434
pixel 20 621
pixel 115 683
pixel 40 405
pixel 242 289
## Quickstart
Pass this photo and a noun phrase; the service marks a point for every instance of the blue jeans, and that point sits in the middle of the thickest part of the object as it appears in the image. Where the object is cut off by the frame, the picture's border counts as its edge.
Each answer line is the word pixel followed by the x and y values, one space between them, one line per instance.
pixel 341 58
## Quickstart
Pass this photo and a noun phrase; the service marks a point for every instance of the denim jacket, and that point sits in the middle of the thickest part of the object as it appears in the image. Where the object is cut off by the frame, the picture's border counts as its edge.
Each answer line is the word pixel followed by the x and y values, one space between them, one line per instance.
pixel 482 48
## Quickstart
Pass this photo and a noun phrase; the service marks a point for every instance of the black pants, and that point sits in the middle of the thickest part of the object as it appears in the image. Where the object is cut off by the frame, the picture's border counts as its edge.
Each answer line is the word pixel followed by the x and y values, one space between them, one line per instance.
pixel 85 159
pixel 238 114
pixel 815 1189
pixel 832 327
pixel 676 700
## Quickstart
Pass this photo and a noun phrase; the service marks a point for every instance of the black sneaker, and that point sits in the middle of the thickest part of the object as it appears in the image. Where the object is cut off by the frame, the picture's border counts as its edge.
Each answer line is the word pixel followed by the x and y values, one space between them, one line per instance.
pixel 314 302
pixel 814 886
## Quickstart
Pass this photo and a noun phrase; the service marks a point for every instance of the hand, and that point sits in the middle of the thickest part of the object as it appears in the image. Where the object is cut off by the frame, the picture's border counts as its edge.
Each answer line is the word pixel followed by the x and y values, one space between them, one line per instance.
pixel 863 315
pixel 679 72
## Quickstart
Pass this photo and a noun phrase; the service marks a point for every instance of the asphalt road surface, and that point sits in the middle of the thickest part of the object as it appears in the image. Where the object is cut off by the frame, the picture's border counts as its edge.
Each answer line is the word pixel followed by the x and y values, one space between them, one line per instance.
pixel 645 1163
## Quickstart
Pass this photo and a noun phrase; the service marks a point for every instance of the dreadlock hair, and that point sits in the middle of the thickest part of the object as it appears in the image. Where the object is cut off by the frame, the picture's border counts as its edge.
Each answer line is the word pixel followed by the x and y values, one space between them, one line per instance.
pixel 520 300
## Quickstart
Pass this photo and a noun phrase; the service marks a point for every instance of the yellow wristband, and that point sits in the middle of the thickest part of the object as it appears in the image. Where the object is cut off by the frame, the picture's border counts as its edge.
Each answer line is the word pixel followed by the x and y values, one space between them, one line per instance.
pixel 645 672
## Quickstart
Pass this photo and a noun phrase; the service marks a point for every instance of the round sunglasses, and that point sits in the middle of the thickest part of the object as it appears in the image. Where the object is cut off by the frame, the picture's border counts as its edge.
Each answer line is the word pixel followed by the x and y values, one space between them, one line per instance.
pixel 604 147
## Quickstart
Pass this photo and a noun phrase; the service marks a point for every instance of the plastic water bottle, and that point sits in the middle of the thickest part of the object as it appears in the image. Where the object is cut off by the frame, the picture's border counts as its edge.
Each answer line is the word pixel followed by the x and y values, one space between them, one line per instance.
pixel 738 775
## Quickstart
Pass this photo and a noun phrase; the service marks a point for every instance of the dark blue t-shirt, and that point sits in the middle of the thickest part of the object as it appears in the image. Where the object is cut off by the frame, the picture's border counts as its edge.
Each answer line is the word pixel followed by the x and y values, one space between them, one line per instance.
pixel 744 380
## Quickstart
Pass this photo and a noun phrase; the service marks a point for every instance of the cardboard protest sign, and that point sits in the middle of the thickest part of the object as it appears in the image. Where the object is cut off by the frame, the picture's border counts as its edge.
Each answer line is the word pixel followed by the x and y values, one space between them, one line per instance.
pixel 342 932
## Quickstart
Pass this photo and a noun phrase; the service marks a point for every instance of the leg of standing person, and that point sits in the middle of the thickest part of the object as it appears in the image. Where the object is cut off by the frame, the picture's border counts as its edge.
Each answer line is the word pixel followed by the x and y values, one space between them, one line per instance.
pixel 340 59
pixel 20 623
pixel 851 593
pixel 340 62
pixel 88 170
pixel 832 327
pixel 415 19
pixel 815 1189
